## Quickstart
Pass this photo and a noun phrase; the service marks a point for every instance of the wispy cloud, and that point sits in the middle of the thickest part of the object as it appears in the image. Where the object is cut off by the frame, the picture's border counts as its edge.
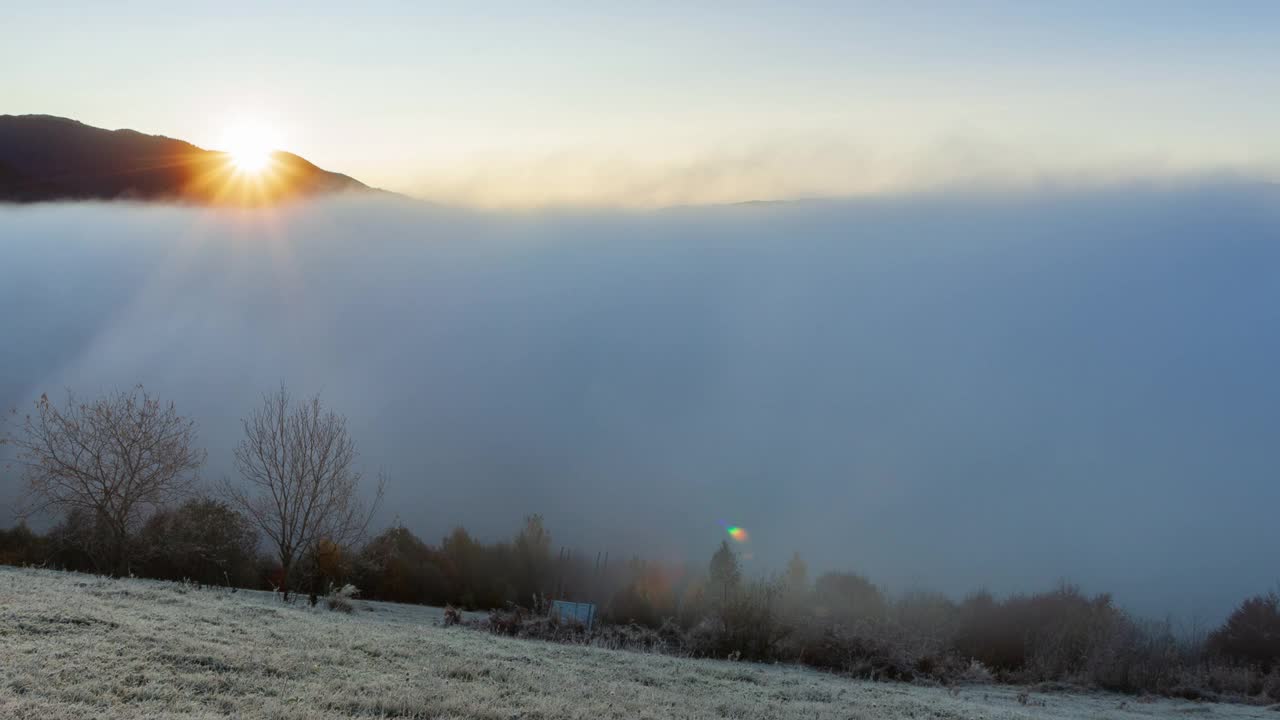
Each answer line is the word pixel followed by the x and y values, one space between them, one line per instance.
pixel 803 165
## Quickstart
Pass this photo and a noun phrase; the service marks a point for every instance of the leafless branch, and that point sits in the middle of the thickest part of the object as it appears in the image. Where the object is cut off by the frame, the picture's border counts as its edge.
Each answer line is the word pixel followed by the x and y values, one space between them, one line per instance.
pixel 116 459
pixel 299 485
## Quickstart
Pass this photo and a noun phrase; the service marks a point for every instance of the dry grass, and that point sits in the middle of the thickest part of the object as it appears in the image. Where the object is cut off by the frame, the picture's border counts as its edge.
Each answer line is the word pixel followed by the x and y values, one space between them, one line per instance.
pixel 77 646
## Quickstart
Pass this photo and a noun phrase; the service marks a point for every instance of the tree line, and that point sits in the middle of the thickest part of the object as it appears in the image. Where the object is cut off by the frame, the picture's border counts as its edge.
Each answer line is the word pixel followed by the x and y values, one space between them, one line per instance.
pixel 120 475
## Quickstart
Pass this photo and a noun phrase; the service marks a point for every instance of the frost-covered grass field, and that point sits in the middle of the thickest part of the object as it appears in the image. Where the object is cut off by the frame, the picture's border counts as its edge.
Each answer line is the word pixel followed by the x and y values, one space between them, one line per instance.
pixel 78 646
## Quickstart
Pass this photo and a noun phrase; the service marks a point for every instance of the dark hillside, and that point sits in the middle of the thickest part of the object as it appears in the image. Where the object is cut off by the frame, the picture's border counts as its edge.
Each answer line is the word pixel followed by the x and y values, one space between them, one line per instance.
pixel 46 158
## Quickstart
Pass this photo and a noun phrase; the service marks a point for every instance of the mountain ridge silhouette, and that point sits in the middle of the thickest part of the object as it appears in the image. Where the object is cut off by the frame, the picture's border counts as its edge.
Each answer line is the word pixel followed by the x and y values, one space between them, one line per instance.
pixel 45 158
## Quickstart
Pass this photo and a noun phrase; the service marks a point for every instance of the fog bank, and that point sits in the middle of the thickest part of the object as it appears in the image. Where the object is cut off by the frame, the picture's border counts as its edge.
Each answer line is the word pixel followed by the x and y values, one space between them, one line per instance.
pixel 941 390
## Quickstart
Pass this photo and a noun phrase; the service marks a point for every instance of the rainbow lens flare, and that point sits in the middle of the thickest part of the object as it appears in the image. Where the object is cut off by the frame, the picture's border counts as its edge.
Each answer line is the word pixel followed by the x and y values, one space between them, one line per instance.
pixel 739 534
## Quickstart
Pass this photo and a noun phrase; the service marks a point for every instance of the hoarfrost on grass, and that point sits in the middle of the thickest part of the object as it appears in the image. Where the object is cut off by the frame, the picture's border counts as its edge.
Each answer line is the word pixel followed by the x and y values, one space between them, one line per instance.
pixel 78 646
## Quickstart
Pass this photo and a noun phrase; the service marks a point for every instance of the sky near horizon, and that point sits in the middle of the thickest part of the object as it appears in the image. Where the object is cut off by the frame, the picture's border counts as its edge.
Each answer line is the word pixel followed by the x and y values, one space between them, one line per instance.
pixel 617 104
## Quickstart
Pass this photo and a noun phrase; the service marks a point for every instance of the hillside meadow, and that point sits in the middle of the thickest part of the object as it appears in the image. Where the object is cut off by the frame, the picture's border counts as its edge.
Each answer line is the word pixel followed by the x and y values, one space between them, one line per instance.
pixel 81 646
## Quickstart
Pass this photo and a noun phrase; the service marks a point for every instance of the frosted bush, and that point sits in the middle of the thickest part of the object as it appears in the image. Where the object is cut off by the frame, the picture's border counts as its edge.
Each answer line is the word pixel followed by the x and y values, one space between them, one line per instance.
pixel 340 599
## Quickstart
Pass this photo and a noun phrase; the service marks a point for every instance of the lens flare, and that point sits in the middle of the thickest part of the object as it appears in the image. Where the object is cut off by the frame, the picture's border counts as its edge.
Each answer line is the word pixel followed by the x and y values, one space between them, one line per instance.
pixel 739 534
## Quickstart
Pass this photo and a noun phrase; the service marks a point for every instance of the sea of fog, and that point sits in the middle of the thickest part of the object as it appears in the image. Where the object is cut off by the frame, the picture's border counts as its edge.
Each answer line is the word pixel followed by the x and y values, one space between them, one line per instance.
pixel 946 391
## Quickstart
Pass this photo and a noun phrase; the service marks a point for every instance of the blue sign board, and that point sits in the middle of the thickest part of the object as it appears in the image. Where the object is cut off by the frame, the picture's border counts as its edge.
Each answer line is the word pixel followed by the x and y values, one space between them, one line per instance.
pixel 582 613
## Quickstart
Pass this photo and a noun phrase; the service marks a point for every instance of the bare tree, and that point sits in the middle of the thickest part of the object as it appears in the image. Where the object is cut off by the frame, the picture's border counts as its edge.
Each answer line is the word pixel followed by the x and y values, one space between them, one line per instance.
pixel 300 487
pixel 114 460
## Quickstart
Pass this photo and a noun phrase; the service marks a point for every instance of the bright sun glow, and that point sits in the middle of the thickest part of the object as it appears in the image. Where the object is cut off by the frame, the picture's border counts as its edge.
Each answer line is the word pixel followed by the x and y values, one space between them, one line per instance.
pixel 250 146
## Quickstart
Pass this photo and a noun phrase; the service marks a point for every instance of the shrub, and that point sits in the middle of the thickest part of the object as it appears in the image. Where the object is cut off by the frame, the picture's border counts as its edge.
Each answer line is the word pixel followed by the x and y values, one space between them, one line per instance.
pixel 1271 684
pixel 505 623
pixel 1045 636
pixel 632 605
pixel 1125 656
pixel 340 599
pixel 518 622
pixel 879 651
pixel 204 540
pixel 647 599
pixel 399 567
pixel 80 542
pixel 1251 634
pixel 986 634
pixel 836 648
pixel 20 546
pixel 746 624
pixel 926 614
pixel 846 597
pixel 452 616
pixel 975 673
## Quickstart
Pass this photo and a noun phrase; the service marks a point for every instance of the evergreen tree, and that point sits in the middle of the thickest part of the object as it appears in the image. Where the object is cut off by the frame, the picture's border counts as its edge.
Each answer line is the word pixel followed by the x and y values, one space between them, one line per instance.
pixel 797 574
pixel 724 572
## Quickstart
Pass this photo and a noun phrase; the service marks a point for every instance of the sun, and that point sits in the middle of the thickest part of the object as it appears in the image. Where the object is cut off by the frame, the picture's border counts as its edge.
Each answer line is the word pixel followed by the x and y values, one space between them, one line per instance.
pixel 251 160
pixel 250 146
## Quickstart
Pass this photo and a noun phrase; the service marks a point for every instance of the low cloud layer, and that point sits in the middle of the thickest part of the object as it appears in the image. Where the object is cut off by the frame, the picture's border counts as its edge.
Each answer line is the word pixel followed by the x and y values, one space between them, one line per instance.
pixel 939 390
pixel 799 165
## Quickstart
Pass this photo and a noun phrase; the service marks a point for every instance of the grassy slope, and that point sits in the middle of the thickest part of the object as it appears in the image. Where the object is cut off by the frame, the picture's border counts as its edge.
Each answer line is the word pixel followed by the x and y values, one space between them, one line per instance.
pixel 79 646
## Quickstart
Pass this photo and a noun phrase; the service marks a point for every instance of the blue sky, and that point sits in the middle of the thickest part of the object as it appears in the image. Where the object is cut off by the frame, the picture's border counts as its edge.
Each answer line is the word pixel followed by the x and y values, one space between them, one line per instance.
pixel 654 104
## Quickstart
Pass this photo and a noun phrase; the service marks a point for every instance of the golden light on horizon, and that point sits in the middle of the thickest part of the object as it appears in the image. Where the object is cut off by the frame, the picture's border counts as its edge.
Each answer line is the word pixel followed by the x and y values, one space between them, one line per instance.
pixel 250 146
pixel 244 167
